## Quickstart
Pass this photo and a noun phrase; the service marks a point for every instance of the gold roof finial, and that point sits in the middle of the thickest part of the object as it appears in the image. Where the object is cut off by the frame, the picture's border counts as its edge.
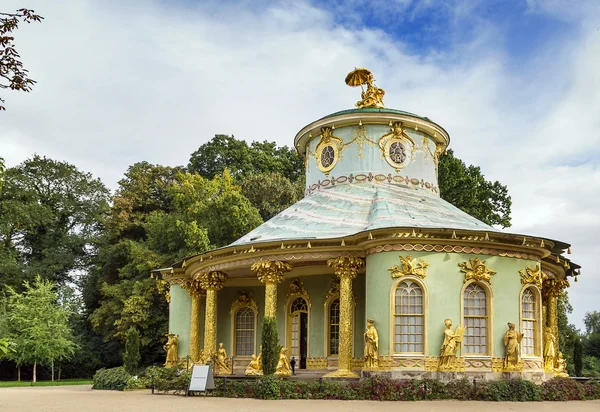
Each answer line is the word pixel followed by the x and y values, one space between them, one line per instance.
pixel 372 96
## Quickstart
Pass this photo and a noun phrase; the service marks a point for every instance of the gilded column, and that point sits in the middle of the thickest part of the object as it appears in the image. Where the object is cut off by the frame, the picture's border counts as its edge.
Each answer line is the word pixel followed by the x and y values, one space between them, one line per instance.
pixel 271 274
pixel 196 292
pixel 346 269
pixel 552 289
pixel 212 282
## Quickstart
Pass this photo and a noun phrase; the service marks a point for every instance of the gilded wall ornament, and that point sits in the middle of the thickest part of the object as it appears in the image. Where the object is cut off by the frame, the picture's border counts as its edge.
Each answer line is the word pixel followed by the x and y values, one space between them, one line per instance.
pixel 476 271
pixel 328 150
pixel 334 290
pixel 532 276
pixel 296 290
pixel 243 300
pixel 409 267
pixel 397 147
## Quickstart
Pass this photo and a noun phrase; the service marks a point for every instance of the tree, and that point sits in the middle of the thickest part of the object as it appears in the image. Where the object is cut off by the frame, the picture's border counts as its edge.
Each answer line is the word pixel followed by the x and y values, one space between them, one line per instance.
pixel 39 326
pixel 567 333
pixel 270 193
pixel 50 217
pixel 270 345
pixel 592 322
pixel 1 172
pixel 12 73
pixel 578 357
pixel 466 188
pixel 131 356
pixel 226 152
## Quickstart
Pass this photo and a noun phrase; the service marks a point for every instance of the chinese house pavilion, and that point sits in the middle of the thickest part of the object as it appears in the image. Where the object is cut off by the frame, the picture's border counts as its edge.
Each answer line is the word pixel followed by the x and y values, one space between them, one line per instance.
pixel 372 271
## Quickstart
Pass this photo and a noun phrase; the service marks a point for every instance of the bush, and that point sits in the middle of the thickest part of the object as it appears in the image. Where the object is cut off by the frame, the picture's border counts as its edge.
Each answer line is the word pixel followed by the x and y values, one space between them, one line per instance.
pixel 460 389
pixel 111 379
pixel 270 345
pixel 562 389
pixel 268 386
pixel 378 388
pixel 175 380
pixel 131 356
pixel 592 390
pixel 136 382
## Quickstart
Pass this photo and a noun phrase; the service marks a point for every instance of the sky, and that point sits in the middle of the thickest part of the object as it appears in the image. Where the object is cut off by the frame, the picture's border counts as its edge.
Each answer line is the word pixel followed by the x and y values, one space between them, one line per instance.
pixel 516 83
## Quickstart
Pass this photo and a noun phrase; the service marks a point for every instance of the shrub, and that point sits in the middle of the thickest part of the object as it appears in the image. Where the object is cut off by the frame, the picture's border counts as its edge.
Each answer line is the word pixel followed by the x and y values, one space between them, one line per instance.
pixel 562 389
pixel 138 382
pixel 460 389
pixel 592 390
pixel 175 380
pixel 270 345
pixel 578 356
pixel 268 386
pixel 131 356
pixel 111 379
pixel 432 388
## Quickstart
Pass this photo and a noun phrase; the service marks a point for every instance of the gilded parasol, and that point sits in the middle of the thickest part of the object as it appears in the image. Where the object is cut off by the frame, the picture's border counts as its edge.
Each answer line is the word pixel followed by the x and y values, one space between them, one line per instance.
pixel 358 77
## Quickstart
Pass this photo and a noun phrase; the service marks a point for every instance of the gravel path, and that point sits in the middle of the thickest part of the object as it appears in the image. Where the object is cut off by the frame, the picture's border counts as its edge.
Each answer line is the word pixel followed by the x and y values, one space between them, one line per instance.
pixel 82 398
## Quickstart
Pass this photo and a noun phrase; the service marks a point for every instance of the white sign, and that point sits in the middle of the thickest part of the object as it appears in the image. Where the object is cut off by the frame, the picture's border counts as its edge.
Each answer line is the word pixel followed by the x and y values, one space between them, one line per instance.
pixel 202 378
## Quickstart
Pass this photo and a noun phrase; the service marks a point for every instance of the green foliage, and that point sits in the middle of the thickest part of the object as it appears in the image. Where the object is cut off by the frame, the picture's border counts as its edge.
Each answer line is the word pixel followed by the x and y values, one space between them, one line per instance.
pixel 270 193
pixel 226 152
pixel 466 188
pixel 50 219
pixel 6 347
pixel 38 325
pixel 592 322
pixel 13 75
pixel 268 386
pixel 131 356
pixel 578 357
pixel 514 390
pixel 270 345
pixel 591 366
pixel 175 380
pixel 114 379
pixel 562 389
pixel 2 168
pixel 567 333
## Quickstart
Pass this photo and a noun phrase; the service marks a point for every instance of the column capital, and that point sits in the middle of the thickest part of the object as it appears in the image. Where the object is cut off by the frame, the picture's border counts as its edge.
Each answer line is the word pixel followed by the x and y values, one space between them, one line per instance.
pixel 346 266
pixel 554 287
pixel 212 280
pixel 193 287
pixel 270 271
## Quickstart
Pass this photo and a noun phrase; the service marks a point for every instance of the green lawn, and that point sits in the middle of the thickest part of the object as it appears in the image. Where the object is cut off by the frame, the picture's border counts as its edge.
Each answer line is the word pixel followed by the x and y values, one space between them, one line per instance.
pixel 10 384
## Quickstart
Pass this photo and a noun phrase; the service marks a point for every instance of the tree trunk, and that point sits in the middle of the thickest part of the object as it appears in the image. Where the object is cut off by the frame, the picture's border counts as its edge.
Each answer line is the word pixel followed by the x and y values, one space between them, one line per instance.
pixel 59 372
pixel 18 373
pixel 34 371
pixel 53 370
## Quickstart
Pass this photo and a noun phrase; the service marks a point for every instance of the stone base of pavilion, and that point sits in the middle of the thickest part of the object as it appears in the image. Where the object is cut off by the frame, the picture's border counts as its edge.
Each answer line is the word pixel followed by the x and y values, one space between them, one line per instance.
pixel 407 374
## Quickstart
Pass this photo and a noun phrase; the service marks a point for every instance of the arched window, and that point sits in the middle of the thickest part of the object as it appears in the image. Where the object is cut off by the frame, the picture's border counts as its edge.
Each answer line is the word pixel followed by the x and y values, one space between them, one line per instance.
pixel 334 326
pixel 528 322
pixel 244 332
pixel 408 318
pixel 475 312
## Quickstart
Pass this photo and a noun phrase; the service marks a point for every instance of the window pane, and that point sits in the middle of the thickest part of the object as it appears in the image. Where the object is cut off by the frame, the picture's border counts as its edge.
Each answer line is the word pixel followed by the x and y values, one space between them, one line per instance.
pixel 408 312
pixel 475 319
pixel 244 332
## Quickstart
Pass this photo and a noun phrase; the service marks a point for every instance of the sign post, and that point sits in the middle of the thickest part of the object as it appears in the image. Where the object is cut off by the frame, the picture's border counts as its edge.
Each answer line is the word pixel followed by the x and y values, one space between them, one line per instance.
pixel 202 379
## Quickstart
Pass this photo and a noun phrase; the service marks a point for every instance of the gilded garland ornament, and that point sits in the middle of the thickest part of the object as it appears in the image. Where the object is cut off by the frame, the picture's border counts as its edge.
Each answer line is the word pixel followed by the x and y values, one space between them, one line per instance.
pixel 409 267
pixel 532 276
pixel 476 271
pixel 270 271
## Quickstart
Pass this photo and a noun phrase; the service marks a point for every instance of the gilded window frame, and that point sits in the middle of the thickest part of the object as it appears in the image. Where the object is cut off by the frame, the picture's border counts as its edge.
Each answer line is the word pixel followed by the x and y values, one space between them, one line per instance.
pixel 537 320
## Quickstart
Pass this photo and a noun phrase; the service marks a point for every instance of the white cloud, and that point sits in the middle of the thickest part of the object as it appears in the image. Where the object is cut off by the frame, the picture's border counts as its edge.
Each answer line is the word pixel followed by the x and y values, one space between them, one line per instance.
pixel 120 82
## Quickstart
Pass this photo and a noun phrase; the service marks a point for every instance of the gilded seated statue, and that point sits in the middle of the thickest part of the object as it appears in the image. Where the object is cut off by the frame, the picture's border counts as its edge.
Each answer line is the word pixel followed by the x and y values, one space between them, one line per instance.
pixel 255 366
pixel 283 366
pixel 222 363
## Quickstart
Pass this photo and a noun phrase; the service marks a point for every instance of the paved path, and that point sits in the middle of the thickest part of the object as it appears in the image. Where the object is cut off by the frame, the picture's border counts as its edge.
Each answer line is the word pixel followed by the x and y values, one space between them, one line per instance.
pixel 83 399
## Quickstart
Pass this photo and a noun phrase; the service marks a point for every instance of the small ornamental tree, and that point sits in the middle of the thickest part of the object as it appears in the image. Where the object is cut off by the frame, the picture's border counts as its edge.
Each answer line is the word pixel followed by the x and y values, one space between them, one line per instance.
pixel 270 345
pixel 578 356
pixel 38 325
pixel 131 356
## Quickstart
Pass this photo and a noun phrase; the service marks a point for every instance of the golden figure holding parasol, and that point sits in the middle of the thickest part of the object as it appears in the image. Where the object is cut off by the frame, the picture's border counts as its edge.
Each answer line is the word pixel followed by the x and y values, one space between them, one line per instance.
pixel 373 96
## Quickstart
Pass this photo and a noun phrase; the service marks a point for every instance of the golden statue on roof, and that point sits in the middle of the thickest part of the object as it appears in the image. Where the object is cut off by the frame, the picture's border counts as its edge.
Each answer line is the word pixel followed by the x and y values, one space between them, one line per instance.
pixel 373 96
